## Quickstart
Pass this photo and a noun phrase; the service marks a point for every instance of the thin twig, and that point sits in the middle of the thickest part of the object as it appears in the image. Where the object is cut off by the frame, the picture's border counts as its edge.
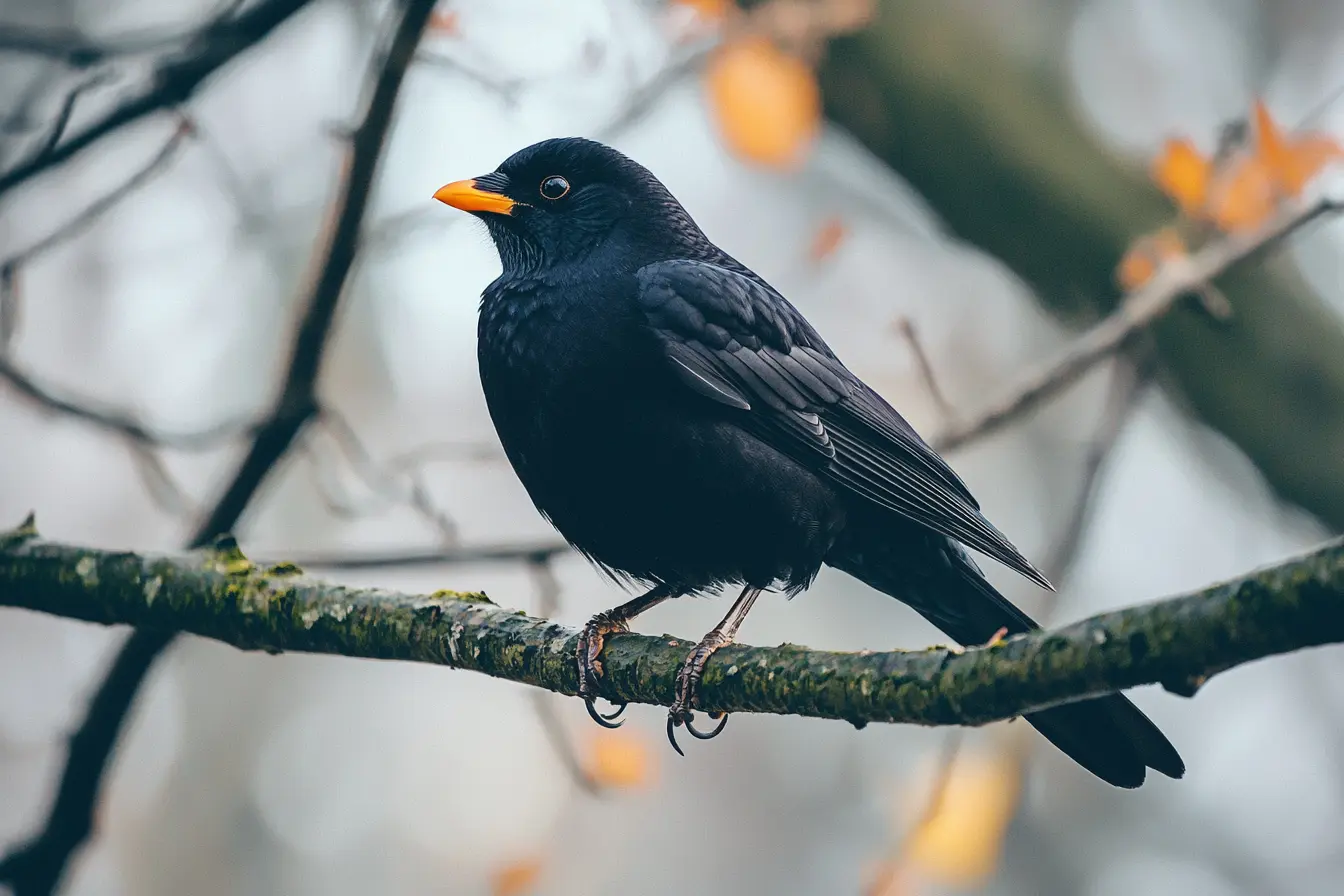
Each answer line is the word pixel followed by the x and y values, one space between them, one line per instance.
pixel 432 556
pixel 384 481
pixel 543 702
pixel 36 868
pixel 1128 383
pixel 76 50
pixel 685 61
pixel 9 307
pixel 172 83
pixel 115 421
pixel 906 328
pixel 157 165
pixel 1178 277
pixel 162 487
pixel 507 90
pixel 63 115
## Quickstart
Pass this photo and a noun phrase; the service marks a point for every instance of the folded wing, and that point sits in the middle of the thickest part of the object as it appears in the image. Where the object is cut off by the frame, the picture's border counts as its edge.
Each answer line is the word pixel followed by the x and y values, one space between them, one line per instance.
pixel 731 338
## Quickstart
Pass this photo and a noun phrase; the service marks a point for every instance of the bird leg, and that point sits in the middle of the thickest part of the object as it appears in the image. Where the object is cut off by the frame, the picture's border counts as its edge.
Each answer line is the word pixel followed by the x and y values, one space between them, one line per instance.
pixel 688 679
pixel 592 638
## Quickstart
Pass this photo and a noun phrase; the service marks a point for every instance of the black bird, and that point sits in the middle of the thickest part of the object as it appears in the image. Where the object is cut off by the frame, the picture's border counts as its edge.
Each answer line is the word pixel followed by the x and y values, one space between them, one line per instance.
pixel 681 424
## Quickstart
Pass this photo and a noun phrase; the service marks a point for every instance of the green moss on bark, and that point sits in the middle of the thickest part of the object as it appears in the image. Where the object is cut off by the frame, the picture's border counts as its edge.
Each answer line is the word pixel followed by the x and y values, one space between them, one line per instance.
pixel 218 593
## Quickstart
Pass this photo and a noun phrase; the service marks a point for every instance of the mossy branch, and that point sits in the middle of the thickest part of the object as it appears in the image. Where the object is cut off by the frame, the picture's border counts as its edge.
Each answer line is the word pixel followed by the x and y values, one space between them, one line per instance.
pixel 218 593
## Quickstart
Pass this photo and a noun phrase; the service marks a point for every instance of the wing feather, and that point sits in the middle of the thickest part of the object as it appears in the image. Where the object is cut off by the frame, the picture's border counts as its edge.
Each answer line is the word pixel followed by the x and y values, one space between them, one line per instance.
pixel 734 340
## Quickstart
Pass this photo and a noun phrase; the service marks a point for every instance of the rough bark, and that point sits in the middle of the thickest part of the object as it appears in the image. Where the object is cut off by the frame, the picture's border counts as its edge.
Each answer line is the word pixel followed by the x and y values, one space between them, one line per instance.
pixel 218 593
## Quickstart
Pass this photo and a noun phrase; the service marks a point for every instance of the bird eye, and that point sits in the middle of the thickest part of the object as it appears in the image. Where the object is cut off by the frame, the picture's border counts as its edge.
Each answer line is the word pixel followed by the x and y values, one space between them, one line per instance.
pixel 554 187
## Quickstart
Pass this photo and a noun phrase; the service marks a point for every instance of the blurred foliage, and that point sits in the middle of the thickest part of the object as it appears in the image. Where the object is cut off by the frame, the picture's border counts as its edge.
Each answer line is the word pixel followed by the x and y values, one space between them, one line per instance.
pixel 766 102
pixel 995 149
pixel 619 759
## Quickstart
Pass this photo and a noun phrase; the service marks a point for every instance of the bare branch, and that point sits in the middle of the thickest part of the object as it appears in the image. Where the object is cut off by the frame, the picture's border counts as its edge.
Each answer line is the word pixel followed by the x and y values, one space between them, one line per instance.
pixel 454 555
pixel 57 129
pixel 77 50
pixel 9 307
pixel 36 868
pixel 115 421
pixel 1179 642
pixel 506 89
pixel 1128 384
pixel 96 209
pixel 393 484
pixel 1178 277
pixel 173 82
pixel 297 403
pixel 906 328
pixel 543 703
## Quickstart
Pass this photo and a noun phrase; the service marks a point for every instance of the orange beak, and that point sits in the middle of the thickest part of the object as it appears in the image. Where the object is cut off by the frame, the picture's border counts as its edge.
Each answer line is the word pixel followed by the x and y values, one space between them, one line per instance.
pixel 469 197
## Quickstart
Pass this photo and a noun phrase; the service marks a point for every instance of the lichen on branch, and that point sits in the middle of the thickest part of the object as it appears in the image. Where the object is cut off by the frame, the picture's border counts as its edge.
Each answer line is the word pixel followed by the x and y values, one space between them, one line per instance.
pixel 218 593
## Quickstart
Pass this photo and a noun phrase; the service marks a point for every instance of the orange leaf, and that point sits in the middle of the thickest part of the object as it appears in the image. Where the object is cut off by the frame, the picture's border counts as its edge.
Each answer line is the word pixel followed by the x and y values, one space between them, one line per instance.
pixel 618 759
pixel 709 10
pixel 1146 255
pixel 1243 194
pixel 1183 174
pixel 1270 145
pixel 445 23
pixel 959 845
pixel 517 877
pixel 766 102
pixel 1293 159
pixel 827 239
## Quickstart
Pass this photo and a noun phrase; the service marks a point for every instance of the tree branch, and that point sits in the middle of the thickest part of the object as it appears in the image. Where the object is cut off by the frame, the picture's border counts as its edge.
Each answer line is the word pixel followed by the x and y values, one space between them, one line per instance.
pixel 36 868
pixel 1178 277
pixel 173 81
pixel 218 593
pixel 449 555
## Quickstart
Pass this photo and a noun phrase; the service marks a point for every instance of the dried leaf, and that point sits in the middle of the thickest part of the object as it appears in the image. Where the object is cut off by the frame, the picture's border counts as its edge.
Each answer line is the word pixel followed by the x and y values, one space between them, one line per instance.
pixel 1292 159
pixel 1243 194
pixel 959 845
pixel 766 102
pixel 1183 174
pixel 708 10
pixel 619 759
pixel 445 23
pixel 827 239
pixel 517 877
pixel 1147 254
pixel 1242 189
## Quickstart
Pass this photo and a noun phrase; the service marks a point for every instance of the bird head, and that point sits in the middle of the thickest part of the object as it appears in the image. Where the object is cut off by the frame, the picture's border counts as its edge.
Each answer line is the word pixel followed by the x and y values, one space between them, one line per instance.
pixel 567 199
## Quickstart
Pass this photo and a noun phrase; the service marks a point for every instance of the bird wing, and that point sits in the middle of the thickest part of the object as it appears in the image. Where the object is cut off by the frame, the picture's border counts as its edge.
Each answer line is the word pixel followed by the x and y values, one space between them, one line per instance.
pixel 734 340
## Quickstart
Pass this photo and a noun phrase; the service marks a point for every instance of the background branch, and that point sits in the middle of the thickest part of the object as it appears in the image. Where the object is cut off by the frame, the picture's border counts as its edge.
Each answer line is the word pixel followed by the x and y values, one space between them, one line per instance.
pixel 452 555
pixel 998 150
pixel 36 868
pixel 1179 277
pixel 1178 642
pixel 173 82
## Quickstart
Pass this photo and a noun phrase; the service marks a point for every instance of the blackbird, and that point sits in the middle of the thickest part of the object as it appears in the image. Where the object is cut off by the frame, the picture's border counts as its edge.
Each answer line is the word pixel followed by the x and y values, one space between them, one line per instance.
pixel 683 426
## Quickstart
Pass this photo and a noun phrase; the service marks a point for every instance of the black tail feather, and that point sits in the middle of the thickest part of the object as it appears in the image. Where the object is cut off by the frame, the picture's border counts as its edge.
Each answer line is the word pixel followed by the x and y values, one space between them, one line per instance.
pixel 1108 736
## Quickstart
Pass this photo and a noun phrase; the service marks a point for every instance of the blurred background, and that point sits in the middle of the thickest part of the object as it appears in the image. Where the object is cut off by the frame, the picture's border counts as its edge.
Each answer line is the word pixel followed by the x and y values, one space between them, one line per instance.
pixel 975 169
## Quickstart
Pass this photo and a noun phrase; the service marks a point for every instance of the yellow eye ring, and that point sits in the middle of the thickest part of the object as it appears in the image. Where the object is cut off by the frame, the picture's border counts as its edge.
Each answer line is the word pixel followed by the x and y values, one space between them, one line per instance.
pixel 554 187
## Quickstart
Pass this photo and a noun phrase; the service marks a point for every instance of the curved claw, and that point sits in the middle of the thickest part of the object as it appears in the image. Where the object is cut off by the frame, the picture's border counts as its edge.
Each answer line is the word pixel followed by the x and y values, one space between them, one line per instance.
pixel 722 718
pixel 672 722
pixel 609 720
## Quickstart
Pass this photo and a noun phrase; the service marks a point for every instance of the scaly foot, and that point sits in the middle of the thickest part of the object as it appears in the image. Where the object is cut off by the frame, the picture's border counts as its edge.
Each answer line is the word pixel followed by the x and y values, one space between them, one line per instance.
pixel 688 682
pixel 591 641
